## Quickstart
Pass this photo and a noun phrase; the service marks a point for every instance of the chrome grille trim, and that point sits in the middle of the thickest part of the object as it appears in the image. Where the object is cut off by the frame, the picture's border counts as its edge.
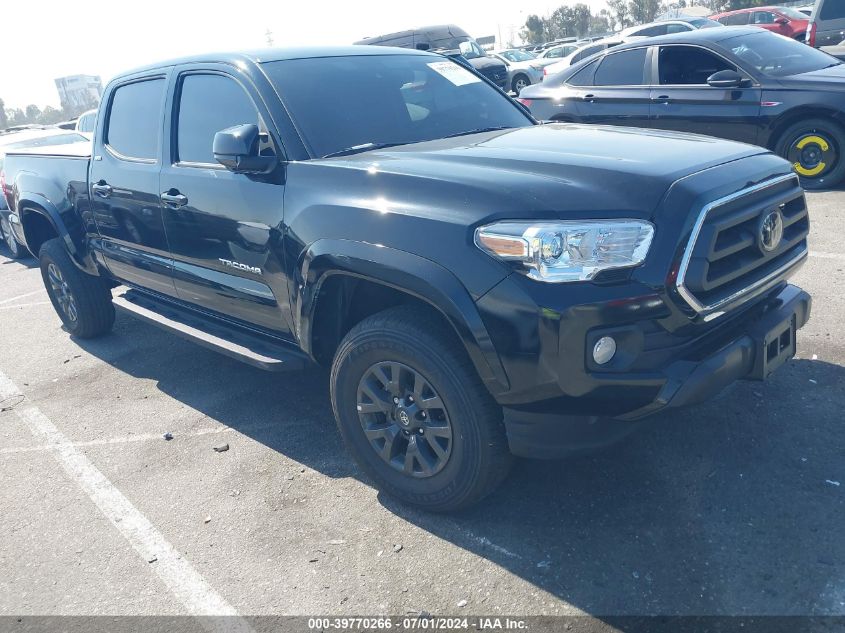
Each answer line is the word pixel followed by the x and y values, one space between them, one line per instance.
pixel 718 308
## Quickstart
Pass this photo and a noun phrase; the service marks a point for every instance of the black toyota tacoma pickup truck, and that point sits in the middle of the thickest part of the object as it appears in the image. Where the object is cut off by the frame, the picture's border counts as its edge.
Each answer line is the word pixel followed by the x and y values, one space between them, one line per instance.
pixel 480 285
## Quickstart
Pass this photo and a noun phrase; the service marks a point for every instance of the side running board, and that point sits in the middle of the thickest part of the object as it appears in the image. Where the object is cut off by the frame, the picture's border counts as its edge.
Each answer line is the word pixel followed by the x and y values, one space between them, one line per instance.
pixel 231 340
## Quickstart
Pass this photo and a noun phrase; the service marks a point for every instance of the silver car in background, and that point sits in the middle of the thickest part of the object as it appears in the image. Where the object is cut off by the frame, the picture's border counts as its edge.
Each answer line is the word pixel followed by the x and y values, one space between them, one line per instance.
pixel 523 67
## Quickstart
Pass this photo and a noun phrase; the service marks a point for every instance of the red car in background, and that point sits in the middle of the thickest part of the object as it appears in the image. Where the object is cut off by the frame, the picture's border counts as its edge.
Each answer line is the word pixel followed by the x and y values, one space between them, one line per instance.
pixel 781 20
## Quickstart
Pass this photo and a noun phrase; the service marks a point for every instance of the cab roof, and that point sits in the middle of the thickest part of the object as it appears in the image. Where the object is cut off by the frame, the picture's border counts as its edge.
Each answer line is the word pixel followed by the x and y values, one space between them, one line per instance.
pixel 260 56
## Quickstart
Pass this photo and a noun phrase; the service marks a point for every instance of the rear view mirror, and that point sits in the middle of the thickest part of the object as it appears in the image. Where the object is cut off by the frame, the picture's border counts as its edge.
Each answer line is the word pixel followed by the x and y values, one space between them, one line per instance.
pixel 237 149
pixel 728 79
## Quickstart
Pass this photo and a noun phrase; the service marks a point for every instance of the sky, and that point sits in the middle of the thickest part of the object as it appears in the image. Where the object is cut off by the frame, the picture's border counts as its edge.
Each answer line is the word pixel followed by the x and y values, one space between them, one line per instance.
pixel 98 37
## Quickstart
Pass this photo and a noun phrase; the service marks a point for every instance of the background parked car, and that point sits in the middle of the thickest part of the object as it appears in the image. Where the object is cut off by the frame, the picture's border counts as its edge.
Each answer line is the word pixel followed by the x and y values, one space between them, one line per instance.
pixel 781 20
pixel 555 53
pixel 739 83
pixel 580 54
pixel 827 25
pixel 664 27
pixel 523 68
pixel 17 140
pixel 447 38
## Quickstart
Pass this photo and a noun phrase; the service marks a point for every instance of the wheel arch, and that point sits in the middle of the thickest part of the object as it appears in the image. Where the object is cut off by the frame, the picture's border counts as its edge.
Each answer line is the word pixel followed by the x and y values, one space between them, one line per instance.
pixel 330 270
pixel 798 114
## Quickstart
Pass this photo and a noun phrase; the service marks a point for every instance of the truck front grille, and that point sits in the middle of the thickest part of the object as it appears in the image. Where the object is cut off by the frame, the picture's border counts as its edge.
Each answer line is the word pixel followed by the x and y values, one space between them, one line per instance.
pixel 733 253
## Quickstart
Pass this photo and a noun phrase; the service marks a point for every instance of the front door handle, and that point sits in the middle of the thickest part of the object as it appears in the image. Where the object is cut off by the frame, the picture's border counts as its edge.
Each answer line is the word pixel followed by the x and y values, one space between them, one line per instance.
pixel 590 97
pixel 173 198
pixel 102 189
pixel 663 99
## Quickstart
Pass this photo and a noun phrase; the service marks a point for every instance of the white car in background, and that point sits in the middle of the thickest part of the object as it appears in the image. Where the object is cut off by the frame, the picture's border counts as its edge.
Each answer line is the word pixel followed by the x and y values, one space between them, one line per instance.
pixel 523 67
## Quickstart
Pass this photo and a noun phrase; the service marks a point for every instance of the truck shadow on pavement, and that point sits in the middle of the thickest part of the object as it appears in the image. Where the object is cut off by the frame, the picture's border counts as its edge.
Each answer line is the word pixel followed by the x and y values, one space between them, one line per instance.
pixel 731 507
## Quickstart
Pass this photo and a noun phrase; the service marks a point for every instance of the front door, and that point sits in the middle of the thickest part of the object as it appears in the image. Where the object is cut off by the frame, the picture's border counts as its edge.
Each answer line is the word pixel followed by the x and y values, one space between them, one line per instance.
pixel 618 94
pixel 682 100
pixel 124 185
pixel 224 229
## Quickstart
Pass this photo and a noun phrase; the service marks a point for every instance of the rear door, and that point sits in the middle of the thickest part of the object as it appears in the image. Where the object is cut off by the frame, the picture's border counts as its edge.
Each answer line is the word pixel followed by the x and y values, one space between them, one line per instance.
pixel 124 184
pixel 618 94
pixel 225 229
pixel 682 100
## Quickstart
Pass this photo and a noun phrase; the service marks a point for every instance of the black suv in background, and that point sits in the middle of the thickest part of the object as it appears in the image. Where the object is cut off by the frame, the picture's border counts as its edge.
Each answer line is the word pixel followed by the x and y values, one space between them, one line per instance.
pixel 479 285
pixel 739 83
pixel 447 39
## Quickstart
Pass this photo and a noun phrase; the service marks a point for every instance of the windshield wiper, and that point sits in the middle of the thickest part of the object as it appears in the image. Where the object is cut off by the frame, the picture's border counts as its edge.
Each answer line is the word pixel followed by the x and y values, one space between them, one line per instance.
pixel 480 130
pixel 363 147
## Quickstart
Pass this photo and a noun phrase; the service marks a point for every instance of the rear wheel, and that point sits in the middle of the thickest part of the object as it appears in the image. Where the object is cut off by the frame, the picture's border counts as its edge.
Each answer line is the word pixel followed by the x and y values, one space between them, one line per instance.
pixel 816 150
pixel 16 249
pixel 82 301
pixel 414 414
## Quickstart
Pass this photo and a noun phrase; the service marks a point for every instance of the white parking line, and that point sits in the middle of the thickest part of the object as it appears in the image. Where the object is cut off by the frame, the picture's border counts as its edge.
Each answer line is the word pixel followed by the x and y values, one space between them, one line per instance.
pixel 822 255
pixel 141 437
pixel 25 305
pixel 23 296
pixel 177 573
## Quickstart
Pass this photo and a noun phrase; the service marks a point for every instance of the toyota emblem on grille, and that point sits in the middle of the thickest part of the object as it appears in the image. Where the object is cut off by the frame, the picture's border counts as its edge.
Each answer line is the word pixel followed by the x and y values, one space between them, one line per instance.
pixel 771 231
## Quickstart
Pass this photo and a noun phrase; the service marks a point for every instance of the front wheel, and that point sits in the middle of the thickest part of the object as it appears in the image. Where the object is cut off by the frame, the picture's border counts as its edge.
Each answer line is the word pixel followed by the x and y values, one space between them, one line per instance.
pixel 520 82
pixel 82 301
pixel 414 414
pixel 16 249
pixel 816 149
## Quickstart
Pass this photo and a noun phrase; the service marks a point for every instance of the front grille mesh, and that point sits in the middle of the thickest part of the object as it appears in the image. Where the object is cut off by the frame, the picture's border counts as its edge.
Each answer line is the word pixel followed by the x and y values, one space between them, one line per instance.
pixel 726 256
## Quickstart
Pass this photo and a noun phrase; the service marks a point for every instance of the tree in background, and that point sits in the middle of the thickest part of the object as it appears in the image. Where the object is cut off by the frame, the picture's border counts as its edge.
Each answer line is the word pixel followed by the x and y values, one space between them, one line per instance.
pixel 10 117
pixel 643 11
pixel 534 31
pixel 620 14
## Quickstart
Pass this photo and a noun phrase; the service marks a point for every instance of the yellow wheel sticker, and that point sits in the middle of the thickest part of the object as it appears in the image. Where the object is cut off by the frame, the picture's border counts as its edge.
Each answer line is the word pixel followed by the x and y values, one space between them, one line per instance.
pixel 823 145
pixel 809 172
pixel 818 140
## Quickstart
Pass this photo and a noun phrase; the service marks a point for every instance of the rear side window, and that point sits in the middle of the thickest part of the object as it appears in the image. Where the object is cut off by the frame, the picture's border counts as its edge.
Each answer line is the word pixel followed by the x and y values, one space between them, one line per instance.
pixel 652 31
pixel 832 10
pixel 678 28
pixel 199 120
pixel 735 19
pixel 135 118
pixel 621 69
pixel 584 77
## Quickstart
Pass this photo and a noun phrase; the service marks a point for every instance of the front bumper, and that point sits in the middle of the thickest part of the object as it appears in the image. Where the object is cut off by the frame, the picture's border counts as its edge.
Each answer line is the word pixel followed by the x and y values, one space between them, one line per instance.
pixel 751 347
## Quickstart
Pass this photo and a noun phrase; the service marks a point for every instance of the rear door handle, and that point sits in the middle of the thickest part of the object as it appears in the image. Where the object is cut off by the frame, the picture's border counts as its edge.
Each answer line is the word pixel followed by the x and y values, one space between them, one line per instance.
pixel 102 189
pixel 590 97
pixel 663 99
pixel 173 198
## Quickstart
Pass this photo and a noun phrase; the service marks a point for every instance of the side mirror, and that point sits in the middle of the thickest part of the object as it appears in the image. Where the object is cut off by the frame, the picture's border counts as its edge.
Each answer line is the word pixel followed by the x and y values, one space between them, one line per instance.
pixel 728 79
pixel 236 148
pixel 781 21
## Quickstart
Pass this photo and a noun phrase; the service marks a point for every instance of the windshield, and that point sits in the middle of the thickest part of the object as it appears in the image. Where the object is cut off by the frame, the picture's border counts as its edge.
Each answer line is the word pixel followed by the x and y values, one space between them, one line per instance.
pixel 517 56
pixel 777 56
pixel 344 102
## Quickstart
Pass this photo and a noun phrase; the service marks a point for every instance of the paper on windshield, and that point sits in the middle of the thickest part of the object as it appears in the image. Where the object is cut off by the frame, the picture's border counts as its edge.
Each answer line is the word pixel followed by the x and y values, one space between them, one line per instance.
pixel 454 73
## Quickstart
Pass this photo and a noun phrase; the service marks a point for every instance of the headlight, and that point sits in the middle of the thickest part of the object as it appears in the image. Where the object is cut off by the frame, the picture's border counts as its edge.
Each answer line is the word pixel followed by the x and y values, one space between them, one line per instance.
pixel 567 250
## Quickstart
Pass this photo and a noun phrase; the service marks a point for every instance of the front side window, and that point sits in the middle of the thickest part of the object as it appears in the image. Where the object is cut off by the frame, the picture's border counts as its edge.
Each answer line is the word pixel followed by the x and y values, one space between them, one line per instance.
pixel 135 116
pixel 621 69
pixel 207 105
pixel 763 17
pixel 344 102
pixel 688 65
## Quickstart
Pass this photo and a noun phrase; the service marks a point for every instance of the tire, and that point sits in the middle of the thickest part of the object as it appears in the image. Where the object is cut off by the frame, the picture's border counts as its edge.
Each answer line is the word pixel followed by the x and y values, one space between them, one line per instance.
pixel 400 342
pixel 15 248
pixel 816 149
pixel 82 301
pixel 520 82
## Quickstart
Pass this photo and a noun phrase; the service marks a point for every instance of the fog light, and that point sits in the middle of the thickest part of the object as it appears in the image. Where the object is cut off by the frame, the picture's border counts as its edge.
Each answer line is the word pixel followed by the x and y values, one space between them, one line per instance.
pixel 604 349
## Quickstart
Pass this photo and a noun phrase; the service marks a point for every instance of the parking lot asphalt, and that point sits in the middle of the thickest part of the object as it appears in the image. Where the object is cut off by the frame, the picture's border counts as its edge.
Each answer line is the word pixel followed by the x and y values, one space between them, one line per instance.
pixel 733 507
